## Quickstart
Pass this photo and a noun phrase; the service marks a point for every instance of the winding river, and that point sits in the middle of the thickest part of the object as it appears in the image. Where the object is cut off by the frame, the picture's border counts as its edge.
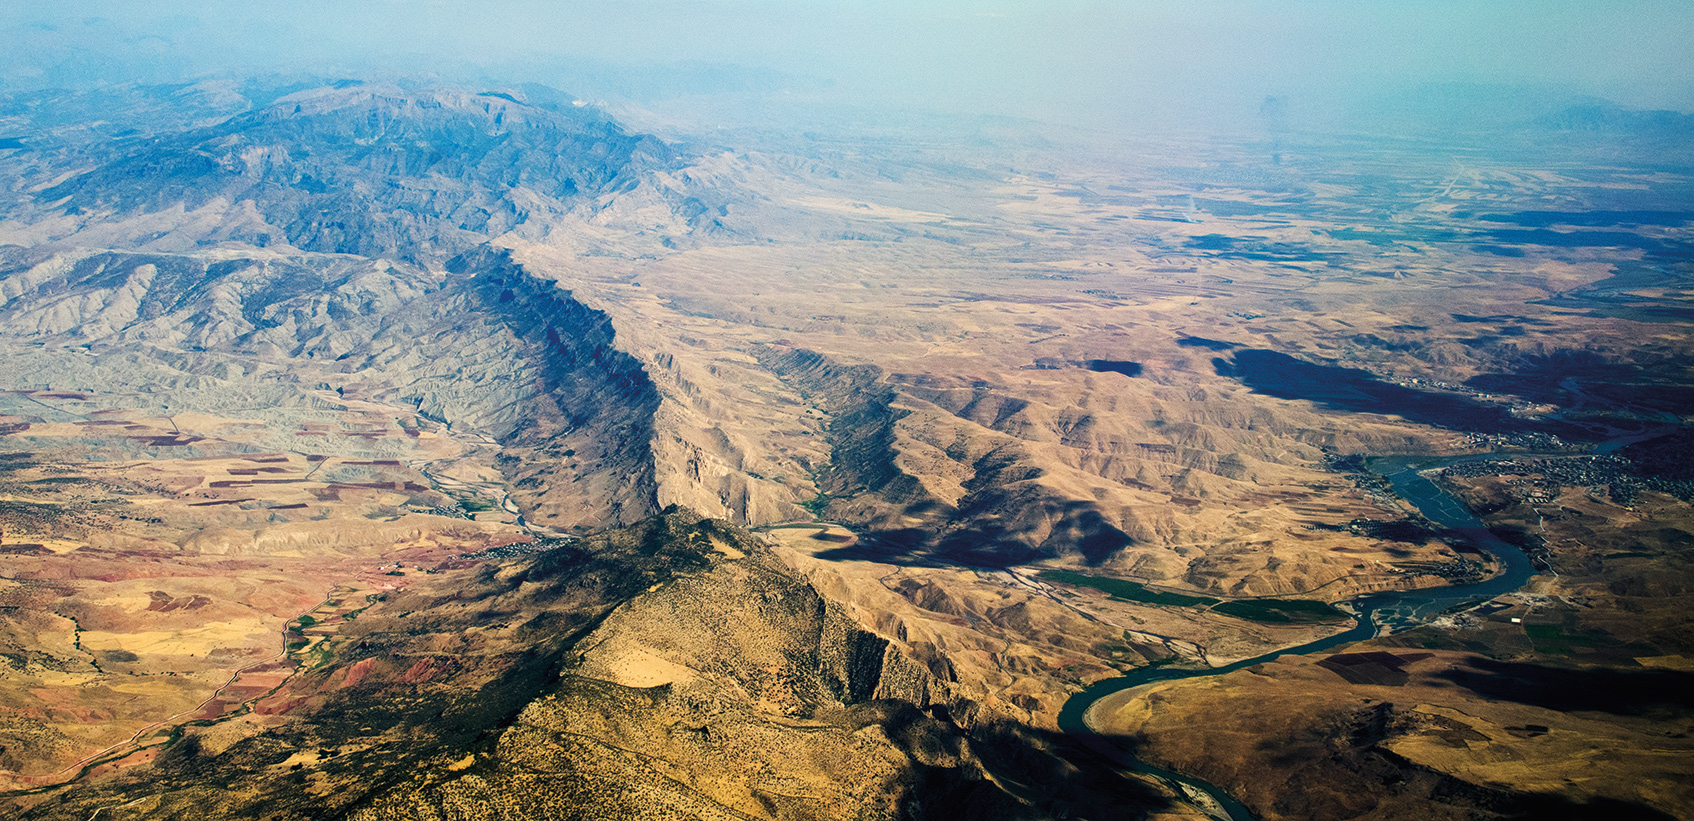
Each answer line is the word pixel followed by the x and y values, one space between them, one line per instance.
pixel 1395 611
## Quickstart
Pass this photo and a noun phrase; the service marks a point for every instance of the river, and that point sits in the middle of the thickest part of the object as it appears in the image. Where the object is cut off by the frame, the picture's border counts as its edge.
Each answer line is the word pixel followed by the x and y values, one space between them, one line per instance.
pixel 1395 611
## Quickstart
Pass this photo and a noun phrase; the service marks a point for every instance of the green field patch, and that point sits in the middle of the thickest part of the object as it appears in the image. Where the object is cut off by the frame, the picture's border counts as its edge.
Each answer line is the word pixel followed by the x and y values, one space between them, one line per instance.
pixel 318 656
pixel 1120 589
pixel 816 505
pixel 1552 640
pixel 1281 611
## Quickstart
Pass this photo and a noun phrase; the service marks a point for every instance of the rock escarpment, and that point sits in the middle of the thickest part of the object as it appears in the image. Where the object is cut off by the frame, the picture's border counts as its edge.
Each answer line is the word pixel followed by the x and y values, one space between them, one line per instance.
pixel 899 468
pixel 580 450
pixel 486 345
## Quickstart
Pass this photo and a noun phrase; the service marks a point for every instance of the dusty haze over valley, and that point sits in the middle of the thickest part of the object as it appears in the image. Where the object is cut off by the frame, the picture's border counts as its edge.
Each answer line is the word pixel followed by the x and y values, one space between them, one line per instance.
pixel 714 410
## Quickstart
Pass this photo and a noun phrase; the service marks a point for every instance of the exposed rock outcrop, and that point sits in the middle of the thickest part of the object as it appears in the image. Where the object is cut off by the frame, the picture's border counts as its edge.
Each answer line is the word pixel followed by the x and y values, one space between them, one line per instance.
pixel 338 170
pixel 487 345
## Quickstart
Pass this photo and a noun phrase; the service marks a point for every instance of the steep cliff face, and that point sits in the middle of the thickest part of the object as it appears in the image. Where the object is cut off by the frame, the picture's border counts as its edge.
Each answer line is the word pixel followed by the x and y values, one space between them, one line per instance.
pixel 487 345
pixel 721 446
pixel 580 451
pixel 965 456
pixel 754 626
pixel 861 432
pixel 734 691
pixel 383 188
pixel 922 480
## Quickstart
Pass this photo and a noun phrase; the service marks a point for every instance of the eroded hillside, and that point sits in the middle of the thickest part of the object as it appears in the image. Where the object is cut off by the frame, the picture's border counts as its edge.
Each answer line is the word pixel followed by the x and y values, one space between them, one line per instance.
pixel 676 668
pixel 322 409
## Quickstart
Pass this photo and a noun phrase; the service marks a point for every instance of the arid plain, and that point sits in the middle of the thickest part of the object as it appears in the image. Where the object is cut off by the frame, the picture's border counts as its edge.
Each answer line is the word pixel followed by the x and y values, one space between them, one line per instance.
pixel 812 478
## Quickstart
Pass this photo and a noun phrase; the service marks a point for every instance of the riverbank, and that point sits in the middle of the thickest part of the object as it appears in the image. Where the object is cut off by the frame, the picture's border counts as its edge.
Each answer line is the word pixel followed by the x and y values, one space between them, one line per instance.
pixel 1085 712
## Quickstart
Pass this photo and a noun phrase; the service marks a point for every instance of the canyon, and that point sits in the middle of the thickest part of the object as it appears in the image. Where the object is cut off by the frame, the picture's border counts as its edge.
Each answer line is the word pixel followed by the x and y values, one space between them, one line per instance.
pixel 402 451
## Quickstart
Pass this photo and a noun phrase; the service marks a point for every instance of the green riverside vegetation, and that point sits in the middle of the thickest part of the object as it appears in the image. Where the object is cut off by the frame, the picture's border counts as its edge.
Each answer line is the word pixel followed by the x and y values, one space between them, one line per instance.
pixel 1271 611
pixel 1128 591
pixel 1281 611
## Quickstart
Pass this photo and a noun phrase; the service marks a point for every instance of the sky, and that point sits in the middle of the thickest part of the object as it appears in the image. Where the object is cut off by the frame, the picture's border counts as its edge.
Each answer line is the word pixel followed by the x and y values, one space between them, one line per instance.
pixel 1055 60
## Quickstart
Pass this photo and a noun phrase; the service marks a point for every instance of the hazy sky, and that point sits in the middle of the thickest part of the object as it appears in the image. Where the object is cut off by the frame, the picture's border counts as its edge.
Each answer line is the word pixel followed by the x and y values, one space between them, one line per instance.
pixel 1051 59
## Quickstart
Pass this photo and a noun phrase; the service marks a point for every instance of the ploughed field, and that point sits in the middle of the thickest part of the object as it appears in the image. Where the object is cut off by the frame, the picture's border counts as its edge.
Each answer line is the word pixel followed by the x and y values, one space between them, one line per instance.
pixel 572 468
pixel 165 570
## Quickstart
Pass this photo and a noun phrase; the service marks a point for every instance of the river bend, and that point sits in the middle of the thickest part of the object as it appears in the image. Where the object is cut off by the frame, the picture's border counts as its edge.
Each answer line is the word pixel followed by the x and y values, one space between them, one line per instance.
pixel 1395 611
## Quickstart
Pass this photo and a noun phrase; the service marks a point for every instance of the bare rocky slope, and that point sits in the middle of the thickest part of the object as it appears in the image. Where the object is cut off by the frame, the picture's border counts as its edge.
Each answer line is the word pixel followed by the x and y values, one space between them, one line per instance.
pixel 612 401
pixel 481 344
pixel 374 171
pixel 331 250
pixel 674 669
pixel 1034 427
